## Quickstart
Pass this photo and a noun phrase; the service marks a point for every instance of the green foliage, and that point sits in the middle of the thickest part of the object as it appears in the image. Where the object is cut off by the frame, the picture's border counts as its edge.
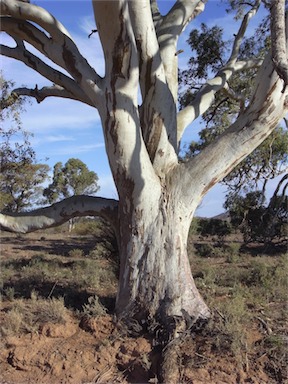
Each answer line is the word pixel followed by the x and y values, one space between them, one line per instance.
pixel 265 162
pixel 76 253
pixel 209 53
pixel 21 185
pixel 106 242
pixel 88 227
pixel 208 50
pixel 214 227
pixel 257 221
pixel 205 250
pixel 21 177
pixel 74 178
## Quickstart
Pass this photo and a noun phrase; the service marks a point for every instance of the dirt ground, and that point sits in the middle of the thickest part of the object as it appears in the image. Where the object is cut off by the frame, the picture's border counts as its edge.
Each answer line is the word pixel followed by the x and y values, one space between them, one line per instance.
pixel 83 349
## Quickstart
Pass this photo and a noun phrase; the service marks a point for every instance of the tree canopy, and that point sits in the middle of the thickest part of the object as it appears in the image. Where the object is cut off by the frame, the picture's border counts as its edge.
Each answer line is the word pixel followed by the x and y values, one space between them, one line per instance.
pixel 73 178
pixel 21 176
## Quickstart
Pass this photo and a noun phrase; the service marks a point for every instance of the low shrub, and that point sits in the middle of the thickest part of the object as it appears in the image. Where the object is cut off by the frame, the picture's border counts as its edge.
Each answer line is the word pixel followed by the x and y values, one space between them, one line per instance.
pixel 29 316
pixel 94 307
pixel 76 253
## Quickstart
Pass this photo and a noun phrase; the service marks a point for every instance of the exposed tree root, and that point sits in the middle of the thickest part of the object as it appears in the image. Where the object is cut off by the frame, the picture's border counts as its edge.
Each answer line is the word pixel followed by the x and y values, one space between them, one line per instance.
pixel 170 364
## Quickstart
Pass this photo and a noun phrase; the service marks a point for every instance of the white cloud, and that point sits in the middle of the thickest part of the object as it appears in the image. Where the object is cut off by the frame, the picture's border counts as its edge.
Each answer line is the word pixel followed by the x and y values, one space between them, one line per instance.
pixel 56 138
pixel 75 149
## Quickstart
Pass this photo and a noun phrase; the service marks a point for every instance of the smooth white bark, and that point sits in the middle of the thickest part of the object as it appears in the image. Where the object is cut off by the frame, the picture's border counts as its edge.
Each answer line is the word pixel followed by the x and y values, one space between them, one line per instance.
pixel 59 213
pixel 279 39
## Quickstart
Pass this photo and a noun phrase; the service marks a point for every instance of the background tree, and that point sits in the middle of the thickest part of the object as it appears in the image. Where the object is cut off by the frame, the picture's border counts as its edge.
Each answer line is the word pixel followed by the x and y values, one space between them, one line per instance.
pixel 257 220
pixel 21 177
pixel 158 194
pixel 74 178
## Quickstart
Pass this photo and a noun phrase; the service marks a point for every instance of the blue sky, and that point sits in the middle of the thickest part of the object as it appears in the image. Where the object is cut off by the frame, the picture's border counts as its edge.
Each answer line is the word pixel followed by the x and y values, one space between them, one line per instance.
pixel 63 128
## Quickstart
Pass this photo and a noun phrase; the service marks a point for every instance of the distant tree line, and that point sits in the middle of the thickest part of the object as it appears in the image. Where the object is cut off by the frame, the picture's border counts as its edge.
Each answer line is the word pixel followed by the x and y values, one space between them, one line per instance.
pixel 22 177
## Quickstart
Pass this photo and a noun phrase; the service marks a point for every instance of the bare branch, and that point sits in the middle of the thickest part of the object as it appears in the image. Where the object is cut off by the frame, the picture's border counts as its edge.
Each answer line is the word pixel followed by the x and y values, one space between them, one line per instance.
pixel 49 91
pixel 69 88
pixel 59 213
pixel 278 39
pixel 64 54
pixel 156 15
pixel 241 32
pixel 203 100
pixel 27 11
pixel 206 96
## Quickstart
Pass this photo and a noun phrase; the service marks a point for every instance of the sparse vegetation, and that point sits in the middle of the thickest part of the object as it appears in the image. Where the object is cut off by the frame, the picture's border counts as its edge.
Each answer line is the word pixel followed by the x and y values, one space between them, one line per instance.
pixel 246 291
pixel 94 308
pixel 28 316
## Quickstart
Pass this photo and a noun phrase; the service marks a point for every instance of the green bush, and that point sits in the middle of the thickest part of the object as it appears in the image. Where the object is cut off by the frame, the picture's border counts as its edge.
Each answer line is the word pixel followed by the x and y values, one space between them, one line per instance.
pixel 204 250
pixel 214 227
pixel 87 227
pixel 257 221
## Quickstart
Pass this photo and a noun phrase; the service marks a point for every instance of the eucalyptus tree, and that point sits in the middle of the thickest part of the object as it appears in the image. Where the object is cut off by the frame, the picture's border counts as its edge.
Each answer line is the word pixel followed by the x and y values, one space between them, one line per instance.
pixel 158 194
pixel 21 176
pixel 72 178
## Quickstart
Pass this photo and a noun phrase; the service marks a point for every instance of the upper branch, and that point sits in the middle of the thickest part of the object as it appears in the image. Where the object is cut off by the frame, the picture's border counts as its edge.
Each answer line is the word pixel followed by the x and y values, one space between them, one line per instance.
pixel 278 39
pixel 156 15
pixel 27 11
pixel 168 33
pixel 60 49
pixel 59 213
pixel 69 88
pixel 241 32
pixel 266 108
pixel 206 95
pixel 179 16
pixel 158 104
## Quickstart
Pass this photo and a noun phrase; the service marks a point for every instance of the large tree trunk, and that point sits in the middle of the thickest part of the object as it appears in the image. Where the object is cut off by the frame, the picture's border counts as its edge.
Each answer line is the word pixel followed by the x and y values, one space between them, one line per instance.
pixel 156 287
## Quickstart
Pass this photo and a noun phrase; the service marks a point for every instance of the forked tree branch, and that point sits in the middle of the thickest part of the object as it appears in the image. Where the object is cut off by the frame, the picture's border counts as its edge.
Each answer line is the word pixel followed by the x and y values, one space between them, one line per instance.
pixel 66 86
pixel 60 49
pixel 267 106
pixel 179 16
pixel 59 213
pixel 168 32
pixel 206 95
pixel 156 15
